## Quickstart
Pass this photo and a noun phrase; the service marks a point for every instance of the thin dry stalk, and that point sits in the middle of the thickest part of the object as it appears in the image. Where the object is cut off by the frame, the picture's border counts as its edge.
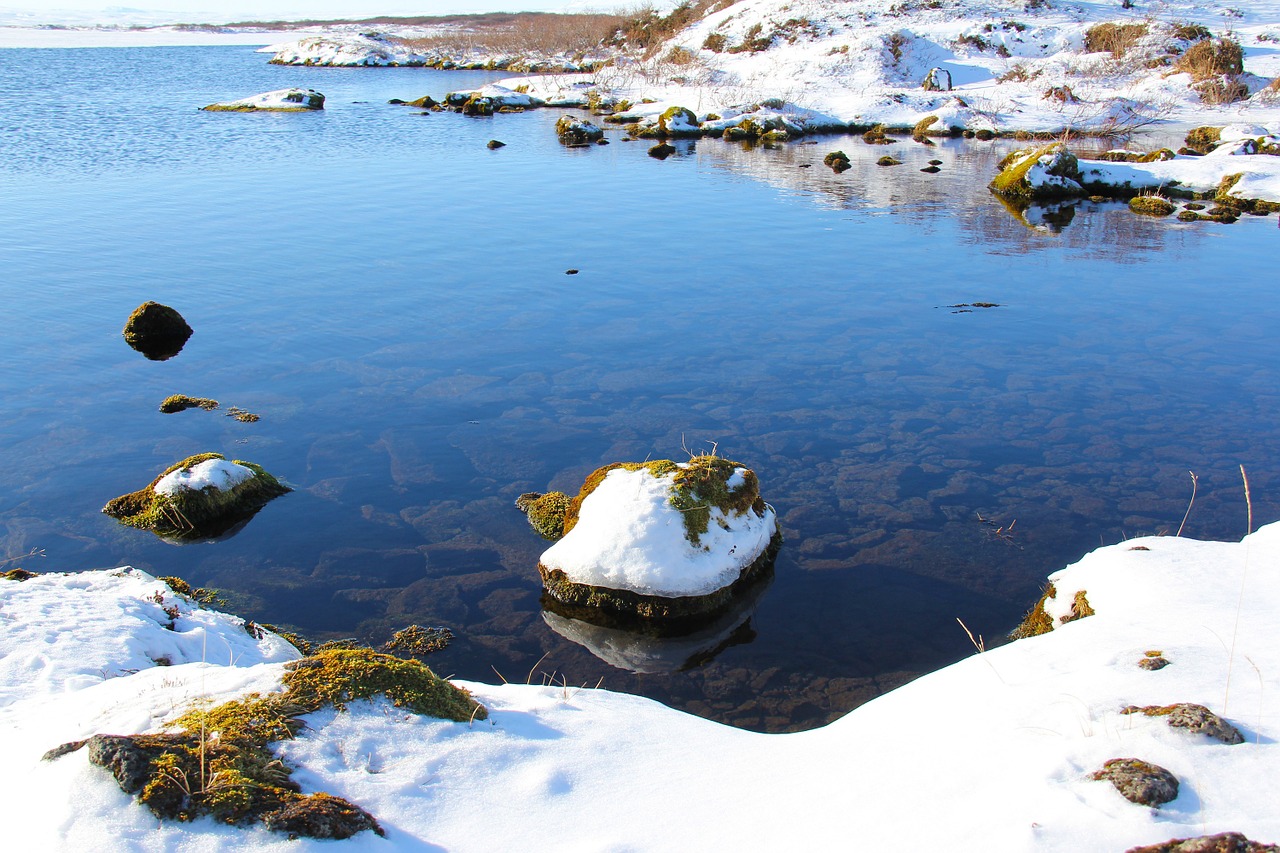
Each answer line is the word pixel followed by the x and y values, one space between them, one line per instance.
pixel 1194 481
pixel 981 647
pixel 529 680
pixel 1244 574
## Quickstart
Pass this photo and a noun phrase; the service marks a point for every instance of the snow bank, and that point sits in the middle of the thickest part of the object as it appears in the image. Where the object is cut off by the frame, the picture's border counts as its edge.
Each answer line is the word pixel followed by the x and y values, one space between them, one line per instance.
pixel 996 750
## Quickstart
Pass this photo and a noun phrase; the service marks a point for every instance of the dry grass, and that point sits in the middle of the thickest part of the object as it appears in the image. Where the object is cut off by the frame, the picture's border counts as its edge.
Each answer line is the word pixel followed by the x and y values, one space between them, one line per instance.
pixel 1211 58
pixel 1115 39
pixel 525 33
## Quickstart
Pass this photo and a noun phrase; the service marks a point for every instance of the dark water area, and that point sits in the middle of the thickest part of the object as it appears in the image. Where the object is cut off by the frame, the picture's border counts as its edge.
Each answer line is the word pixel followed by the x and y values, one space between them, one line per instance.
pixel 390 296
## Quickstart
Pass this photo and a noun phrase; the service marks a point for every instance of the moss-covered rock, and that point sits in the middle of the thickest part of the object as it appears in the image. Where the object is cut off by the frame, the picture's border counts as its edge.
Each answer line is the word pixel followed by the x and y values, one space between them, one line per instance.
pixel 726 538
pixel 181 402
pixel 1203 139
pixel 338 676
pixel 1043 173
pixel 1193 718
pixel 1140 782
pixel 1151 205
pixel 17 575
pixel 546 512
pixel 662 151
pixel 838 161
pixel 1037 621
pixel 1222 842
pixel 157 331
pixel 200 497
pixel 572 130
pixel 886 160
pixel 678 122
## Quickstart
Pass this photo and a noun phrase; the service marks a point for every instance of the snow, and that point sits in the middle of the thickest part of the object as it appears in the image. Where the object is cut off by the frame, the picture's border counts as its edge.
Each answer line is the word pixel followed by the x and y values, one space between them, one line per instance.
pixel 279 100
pixel 629 536
pixel 996 750
pixel 211 473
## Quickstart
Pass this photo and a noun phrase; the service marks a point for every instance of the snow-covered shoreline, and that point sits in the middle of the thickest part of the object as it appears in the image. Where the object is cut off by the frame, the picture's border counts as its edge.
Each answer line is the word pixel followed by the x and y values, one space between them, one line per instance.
pixel 997 750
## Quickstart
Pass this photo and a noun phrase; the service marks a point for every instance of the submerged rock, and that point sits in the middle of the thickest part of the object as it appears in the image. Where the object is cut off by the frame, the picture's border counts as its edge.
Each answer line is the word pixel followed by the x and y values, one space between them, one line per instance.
pixel 662 540
pixel 279 101
pixel 200 497
pixel 157 331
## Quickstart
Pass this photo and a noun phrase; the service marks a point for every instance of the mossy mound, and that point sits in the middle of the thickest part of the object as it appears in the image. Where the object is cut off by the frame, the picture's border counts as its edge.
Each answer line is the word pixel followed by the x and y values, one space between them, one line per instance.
pixel 1037 621
pixel 1043 173
pixel 838 161
pixel 338 676
pixel 157 331
pixel 181 402
pixel 17 575
pixel 662 151
pixel 546 512
pixel 920 133
pixel 876 136
pixel 219 497
pixel 1203 139
pixel 218 762
pixel 678 122
pixel 888 161
pixel 1151 205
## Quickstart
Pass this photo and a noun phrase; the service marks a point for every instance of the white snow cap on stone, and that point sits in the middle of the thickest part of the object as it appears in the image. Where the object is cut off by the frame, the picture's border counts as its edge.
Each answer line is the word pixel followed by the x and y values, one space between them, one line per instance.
pixel 629 536
pixel 218 473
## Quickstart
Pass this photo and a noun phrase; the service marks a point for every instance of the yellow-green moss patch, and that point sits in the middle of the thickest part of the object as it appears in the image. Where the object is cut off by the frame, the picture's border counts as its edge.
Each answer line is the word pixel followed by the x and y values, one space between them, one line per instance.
pixel 339 676
pixel 1151 205
pixel 181 402
pixel 1037 621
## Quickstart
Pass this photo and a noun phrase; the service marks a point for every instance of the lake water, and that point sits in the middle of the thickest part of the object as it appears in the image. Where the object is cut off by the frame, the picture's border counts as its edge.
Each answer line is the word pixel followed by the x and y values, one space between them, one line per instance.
pixel 390 296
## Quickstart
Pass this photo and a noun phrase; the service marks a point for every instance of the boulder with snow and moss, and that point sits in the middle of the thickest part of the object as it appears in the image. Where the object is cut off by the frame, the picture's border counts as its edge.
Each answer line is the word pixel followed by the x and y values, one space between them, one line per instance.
pixel 493 96
pixel 661 540
pixel 572 131
pixel 279 101
pixel 1043 173
pixel 202 496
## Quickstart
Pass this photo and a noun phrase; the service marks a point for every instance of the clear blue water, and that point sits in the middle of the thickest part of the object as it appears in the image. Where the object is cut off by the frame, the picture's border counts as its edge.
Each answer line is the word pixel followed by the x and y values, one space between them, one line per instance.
pixel 390 296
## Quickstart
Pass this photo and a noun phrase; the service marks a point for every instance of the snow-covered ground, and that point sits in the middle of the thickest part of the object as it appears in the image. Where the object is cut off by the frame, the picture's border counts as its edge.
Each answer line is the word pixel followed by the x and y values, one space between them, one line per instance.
pixel 994 753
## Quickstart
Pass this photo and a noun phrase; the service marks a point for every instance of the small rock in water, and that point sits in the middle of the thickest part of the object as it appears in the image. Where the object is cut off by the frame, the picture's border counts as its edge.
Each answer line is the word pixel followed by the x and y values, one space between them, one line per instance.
pixel 931 170
pixel 494 144
pixel 662 151
pixel 935 162
pixel 602 142
pixel 570 272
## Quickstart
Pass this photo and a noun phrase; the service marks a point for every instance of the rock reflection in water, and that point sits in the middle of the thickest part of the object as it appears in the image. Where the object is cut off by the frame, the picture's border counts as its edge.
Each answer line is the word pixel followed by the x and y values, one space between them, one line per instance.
pixel 645 647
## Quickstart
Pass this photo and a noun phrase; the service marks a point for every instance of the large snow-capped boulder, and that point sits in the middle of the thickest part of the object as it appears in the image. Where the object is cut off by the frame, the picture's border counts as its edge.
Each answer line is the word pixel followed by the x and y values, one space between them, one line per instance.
pixel 201 497
pixel 1043 173
pixel 576 131
pixel 661 540
pixel 279 101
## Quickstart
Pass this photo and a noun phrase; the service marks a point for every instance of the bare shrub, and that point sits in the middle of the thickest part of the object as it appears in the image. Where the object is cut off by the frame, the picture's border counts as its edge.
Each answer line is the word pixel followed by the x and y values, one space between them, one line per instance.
pixel 646 29
pixel 679 56
pixel 715 42
pixel 527 32
pixel 1190 32
pixel 1115 39
pixel 1019 74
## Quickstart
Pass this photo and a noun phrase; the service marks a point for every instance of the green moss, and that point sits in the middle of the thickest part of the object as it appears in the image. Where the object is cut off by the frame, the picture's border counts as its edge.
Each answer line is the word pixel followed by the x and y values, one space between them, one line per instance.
pixel 920 133
pixel 17 575
pixel 876 136
pixel 1080 608
pixel 197 594
pixel 1203 139
pixel 1151 205
pixel 546 513
pixel 192 513
pixel 181 402
pixel 678 115
pixel 417 641
pixel 888 161
pixel 1037 621
pixel 339 676
pixel 157 331
pixel 1012 180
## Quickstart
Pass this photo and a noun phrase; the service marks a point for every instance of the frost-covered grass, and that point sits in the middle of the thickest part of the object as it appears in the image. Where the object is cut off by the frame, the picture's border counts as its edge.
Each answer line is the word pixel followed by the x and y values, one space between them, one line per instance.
pixel 995 753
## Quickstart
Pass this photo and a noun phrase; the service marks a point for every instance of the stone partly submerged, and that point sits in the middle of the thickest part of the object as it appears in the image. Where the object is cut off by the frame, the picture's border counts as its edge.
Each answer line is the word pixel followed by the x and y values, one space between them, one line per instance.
pixel 157 331
pixel 200 498
pixel 660 541
pixel 573 131
pixel 279 101
pixel 663 646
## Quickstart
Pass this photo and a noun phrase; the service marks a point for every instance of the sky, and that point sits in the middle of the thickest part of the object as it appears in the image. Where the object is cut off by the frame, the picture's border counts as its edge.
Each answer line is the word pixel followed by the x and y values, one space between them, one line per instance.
pixel 37 12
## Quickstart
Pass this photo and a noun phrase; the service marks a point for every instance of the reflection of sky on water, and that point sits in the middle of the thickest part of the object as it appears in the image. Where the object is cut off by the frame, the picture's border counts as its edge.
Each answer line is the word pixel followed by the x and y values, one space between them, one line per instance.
pixel 390 296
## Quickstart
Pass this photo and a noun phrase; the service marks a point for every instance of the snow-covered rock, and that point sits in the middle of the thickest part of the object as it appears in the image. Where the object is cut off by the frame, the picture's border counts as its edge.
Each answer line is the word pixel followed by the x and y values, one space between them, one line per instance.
pixel 662 539
pixel 279 101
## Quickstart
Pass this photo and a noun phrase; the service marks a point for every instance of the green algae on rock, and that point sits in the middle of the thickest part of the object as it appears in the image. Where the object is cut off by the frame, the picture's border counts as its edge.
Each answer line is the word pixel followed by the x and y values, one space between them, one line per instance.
pixel 181 402
pixel 573 131
pixel 201 496
pixel 1049 172
pixel 1151 205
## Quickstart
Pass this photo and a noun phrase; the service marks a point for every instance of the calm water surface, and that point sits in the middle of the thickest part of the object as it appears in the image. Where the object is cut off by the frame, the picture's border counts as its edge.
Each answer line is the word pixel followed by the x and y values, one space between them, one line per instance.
pixel 390 296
